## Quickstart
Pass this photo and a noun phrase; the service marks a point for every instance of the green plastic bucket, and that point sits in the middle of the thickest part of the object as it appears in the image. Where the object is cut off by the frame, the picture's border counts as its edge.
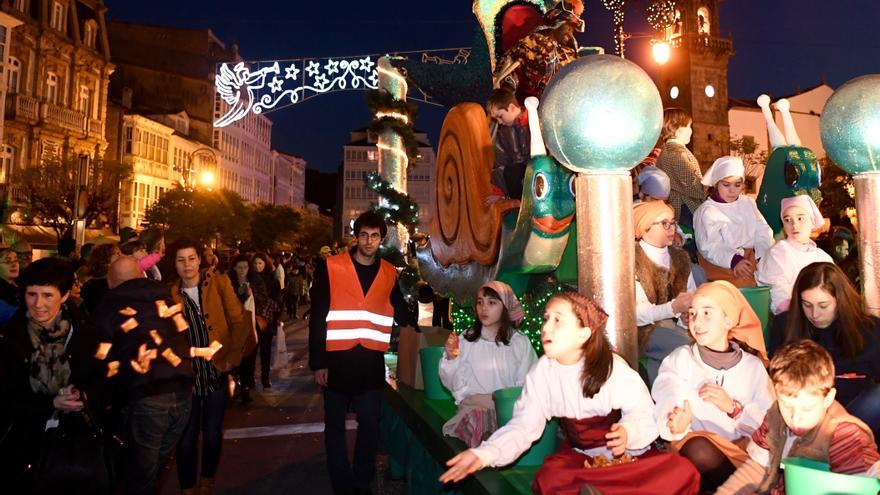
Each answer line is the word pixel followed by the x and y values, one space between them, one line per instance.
pixel 546 445
pixel 809 477
pixel 430 361
pixel 759 300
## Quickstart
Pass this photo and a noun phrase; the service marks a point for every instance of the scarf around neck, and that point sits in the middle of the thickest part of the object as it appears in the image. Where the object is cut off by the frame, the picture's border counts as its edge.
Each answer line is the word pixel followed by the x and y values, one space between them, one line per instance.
pixel 50 367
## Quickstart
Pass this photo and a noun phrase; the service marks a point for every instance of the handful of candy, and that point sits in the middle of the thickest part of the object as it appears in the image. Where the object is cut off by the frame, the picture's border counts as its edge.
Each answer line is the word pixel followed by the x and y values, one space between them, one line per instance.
pixel 602 461
pixel 452 349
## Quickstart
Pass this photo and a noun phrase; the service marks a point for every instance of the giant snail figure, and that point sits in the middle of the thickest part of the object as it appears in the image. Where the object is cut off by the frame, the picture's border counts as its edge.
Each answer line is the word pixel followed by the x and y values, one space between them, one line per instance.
pixel 522 243
pixel 471 243
pixel 791 168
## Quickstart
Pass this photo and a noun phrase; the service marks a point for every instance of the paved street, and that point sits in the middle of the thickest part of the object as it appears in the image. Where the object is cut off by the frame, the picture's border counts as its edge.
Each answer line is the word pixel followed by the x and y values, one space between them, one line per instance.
pixel 275 444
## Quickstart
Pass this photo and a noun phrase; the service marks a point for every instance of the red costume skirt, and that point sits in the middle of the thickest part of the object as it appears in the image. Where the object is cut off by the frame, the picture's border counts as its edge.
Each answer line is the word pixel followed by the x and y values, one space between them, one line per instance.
pixel 654 472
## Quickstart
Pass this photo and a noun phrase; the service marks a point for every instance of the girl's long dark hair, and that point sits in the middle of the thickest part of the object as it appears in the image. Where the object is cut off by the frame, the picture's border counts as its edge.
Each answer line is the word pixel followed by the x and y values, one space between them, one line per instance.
pixel 598 358
pixel 851 315
pixel 505 330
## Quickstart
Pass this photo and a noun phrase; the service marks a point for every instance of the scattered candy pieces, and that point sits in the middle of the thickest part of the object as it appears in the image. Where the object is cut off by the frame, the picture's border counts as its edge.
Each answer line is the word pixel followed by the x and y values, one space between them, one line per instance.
pixel 128 311
pixel 129 324
pixel 602 461
pixel 180 321
pixel 172 358
pixel 112 368
pixel 170 311
pixel 156 337
pixel 161 307
pixel 103 350
pixel 205 352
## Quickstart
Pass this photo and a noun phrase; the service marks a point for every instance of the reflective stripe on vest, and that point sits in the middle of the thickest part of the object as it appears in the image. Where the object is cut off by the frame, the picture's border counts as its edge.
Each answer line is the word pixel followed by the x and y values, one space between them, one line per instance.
pixel 355 318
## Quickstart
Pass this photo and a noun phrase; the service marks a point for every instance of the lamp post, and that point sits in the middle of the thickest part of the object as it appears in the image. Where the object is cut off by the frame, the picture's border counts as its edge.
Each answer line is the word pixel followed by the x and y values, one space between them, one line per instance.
pixel 187 171
pixel 81 199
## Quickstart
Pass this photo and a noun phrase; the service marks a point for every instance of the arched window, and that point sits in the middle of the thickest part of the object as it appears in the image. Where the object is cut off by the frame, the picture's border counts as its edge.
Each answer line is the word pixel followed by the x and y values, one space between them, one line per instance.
pixel 52 87
pixel 704 26
pixel 7 162
pixel 14 79
pixel 90 31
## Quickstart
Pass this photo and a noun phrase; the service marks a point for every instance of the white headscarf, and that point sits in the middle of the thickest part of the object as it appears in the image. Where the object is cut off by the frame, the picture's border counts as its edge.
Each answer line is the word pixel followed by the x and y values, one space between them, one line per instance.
pixel 807 204
pixel 726 166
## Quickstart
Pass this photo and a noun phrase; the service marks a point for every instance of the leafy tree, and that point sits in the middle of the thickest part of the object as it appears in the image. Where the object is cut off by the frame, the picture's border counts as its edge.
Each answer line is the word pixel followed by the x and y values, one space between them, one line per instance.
pixel 272 224
pixel 202 215
pixel 315 230
pixel 51 189
pixel 754 160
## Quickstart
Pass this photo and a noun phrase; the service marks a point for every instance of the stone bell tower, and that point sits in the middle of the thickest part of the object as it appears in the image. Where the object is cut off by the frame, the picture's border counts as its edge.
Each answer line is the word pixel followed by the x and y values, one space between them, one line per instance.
pixel 695 78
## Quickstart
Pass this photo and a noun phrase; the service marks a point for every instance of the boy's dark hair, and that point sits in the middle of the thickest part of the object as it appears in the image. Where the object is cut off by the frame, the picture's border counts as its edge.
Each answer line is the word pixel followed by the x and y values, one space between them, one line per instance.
pixel 501 98
pixel 370 219
pixel 505 330
pixel 130 247
pixel 151 238
pixel 126 234
pixel 673 119
pixel 66 246
pixel 85 250
pixel 802 366
pixel 54 272
pixel 185 243
pixel 241 257
pixel 99 259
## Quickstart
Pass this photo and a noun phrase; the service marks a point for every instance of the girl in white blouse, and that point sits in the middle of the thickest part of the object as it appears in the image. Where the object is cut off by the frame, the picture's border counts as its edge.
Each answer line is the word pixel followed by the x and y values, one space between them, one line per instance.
pixel 487 357
pixel 731 233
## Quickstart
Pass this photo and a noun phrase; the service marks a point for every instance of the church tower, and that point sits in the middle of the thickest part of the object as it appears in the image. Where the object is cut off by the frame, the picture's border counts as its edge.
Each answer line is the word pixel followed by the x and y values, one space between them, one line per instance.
pixel 695 78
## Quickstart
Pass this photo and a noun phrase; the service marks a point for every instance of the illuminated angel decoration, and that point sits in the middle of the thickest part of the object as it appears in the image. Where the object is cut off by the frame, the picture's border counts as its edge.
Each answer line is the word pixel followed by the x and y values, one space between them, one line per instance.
pixel 237 87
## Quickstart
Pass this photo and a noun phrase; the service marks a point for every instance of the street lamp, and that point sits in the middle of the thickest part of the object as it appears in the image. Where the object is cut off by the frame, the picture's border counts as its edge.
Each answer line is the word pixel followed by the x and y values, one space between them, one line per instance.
pixel 661 51
pixel 187 171
pixel 206 178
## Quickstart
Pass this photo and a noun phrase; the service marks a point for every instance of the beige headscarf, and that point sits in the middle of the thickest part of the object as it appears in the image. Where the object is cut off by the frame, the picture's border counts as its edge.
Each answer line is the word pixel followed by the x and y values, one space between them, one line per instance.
pixel 646 213
pixel 746 324
pixel 508 299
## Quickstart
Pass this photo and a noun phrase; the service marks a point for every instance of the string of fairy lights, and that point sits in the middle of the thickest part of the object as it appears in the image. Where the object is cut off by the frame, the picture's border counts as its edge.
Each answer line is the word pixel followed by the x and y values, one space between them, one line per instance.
pixel 661 14
pixel 463 317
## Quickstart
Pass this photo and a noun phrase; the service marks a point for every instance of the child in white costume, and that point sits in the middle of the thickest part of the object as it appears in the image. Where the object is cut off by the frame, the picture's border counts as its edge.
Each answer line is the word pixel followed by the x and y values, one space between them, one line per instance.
pixel 604 409
pixel 779 269
pixel 731 233
pixel 490 356
pixel 711 395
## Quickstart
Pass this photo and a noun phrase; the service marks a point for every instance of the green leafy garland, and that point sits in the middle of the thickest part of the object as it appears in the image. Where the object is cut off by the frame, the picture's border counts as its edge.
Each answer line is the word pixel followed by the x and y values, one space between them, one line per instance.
pixel 380 101
pixel 401 208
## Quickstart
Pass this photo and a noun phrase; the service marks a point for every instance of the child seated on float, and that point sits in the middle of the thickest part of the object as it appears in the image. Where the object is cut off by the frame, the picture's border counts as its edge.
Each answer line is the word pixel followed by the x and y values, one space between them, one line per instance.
pixel 805 421
pixel 491 355
pixel 711 395
pixel 779 269
pixel 511 142
pixel 664 284
pixel 731 233
pixel 604 408
pixel 653 184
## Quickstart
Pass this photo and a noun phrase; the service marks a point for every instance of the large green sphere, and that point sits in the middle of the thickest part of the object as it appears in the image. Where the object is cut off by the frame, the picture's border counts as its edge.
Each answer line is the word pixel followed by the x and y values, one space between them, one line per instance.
pixel 850 125
pixel 601 112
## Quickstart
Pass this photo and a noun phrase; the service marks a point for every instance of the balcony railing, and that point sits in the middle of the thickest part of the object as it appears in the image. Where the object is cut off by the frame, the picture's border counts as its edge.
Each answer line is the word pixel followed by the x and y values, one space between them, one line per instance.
pixel 14 194
pixel 96 127
pixel 21 106
pixel 64 117
pixel 703 43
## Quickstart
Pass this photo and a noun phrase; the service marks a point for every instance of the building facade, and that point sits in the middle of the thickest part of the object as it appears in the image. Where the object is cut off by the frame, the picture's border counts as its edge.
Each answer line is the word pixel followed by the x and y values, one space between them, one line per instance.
pixel 695 78
pixel 360 158
pixel 57 71
pixel 166 70
pixel 289 180
pixel 161 156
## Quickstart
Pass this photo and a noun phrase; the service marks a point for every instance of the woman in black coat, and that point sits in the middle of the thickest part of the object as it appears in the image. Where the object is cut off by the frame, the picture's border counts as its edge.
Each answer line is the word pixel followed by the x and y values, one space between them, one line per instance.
pixel 47 369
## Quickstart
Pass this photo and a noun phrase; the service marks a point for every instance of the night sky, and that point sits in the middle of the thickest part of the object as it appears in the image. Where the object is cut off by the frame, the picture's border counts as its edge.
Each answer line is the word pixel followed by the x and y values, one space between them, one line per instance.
pixel 781 45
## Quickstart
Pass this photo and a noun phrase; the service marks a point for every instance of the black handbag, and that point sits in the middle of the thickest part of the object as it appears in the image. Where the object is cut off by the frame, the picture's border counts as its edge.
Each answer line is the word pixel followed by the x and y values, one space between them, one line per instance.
pixel 72 456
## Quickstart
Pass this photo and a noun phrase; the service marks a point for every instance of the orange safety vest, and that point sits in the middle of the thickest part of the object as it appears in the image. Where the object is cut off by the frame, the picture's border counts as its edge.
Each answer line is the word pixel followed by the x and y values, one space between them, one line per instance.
pixel 355 318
